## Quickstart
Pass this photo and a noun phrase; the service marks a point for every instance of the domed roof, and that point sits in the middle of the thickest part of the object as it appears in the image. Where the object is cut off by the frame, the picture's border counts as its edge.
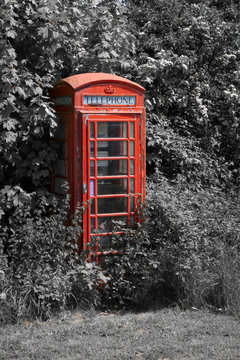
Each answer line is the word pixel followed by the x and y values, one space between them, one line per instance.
pixel 82 80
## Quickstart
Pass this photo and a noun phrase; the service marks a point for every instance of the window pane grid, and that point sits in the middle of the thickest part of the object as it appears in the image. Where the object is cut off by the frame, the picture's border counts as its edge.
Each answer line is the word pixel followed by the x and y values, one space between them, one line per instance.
pixel 112 139
pixel 112 186
pixel 110 177
pixel 132 130
pixel 92 130
pixel 95 220
pixel 107 196
pixel 109 148
pixel 119 204
pixel 95 172
pixel 112 167
pixel 92 157
pixel 129 153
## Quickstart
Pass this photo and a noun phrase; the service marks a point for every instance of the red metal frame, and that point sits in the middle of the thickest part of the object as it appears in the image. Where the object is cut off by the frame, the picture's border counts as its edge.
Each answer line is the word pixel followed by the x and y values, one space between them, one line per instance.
pixel 78 117
pixel 95 119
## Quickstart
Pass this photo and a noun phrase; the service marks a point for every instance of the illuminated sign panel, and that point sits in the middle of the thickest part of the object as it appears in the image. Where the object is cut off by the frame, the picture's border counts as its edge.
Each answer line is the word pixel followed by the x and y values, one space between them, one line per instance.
pixel 109 100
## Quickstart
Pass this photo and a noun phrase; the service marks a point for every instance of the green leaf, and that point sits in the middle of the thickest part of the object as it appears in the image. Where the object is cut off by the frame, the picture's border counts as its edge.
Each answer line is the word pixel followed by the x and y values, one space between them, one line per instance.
pixel 114 53
pixel 43 32
pixel 37 90
pixel 10 124
pixel 21 91
pixel 1 213
pixel 55 34
pixel 104 55
pixel 64 28
pixel 11 34
pixel 10 136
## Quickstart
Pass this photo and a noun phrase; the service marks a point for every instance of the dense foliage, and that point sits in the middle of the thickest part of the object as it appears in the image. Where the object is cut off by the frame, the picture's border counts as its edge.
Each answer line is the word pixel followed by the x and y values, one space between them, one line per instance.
pixel 186 54
pixel 187 251
pixel 40 270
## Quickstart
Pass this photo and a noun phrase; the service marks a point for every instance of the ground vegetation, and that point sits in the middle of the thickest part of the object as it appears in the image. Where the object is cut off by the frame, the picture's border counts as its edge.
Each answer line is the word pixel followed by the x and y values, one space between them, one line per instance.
pixel 168 334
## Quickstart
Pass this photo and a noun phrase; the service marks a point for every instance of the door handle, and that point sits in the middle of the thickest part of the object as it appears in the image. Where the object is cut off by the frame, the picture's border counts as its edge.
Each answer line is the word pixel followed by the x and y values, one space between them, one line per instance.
pixel 84 188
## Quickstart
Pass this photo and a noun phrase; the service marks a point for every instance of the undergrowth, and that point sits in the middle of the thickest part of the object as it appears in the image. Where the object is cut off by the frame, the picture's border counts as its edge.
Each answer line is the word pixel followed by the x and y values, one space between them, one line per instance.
pixel 186 252
pixel 40 270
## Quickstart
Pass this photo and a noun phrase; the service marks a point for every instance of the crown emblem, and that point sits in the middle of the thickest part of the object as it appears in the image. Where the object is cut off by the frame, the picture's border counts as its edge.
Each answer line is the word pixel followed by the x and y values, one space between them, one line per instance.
pixel 109 89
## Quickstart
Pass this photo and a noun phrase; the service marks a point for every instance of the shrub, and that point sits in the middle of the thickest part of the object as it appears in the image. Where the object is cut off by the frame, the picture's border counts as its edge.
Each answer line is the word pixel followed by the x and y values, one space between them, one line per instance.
pixel 138 275
pixel 187 251
pixel 40 270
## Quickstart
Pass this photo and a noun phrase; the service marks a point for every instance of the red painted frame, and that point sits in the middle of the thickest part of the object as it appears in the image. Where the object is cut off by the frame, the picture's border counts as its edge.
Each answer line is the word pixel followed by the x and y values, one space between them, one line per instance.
pixel 95 119
pixel 77 118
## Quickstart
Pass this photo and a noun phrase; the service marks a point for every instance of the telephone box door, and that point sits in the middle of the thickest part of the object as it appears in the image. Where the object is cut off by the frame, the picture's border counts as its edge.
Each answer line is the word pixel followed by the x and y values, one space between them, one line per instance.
pixel 112 176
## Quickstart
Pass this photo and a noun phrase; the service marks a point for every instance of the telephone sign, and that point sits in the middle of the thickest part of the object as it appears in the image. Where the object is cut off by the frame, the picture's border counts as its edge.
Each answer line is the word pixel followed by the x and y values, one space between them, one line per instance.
pixel 109 100
pixel 101 137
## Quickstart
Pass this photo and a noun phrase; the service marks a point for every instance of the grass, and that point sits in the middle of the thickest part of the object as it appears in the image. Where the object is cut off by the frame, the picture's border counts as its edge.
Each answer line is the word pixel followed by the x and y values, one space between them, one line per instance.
pixel 168 334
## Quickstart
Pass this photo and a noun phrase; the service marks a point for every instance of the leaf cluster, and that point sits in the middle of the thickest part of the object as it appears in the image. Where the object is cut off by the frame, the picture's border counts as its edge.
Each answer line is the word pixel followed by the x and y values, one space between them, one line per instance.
pixel 40 269
pixel 186 252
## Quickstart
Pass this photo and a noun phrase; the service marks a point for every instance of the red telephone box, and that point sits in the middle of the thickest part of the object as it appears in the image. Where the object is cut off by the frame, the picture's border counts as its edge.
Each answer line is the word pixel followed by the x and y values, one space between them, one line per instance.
pixel 102 137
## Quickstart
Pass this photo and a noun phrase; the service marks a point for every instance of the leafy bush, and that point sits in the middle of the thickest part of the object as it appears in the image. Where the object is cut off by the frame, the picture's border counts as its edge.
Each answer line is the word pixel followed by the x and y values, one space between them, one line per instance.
pixel 191 231
pixel 40 270
pixel 137 277
pixel 203 244
pixel 187 251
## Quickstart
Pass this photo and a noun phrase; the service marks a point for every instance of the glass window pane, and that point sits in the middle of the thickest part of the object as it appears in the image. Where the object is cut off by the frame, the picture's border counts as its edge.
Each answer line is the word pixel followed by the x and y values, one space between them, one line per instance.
pixel 108 223
pixel 104 241
pixel 92 206
pixel 110 129
pixel 132 169
pixel 111 167
pixel 59 167
pixel 112 186
pixel 60 130
pixel 92 187
pixel 92 224
pixel 92 147
pixel 112 205
pixel 111 148
pixel 132 132
pixel 132 203
pixel 132 186
pixel 92 131
pixel 92 168
pixel 132 150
